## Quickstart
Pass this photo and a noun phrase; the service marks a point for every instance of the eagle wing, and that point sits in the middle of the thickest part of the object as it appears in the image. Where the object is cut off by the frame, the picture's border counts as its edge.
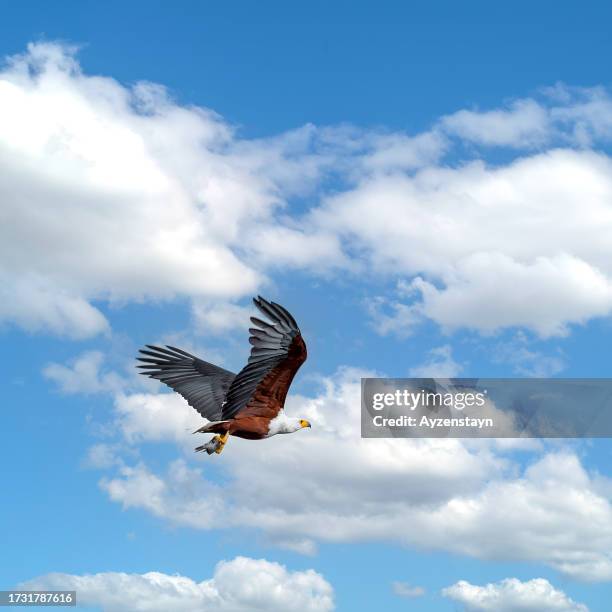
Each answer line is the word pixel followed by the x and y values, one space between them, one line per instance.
pixel 202 384
pixel 278 350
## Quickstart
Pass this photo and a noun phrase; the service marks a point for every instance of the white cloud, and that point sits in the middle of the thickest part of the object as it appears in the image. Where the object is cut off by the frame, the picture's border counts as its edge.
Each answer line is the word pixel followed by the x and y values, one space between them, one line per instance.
pixel 448 495
pixel 439 364
pixel 83 375
pixel 392 316
pixel 112 193
pixel 240 585
pixel 403 589
pixel 115 194
pixel 574 115
pixel 38 304
pixel 220 317
pixel 585 112
pixel 570 290
pixel 526 361
pixel 512 595
pixel 155 417
pixel 394 152
pixel 102 456
pixel 525 124
pixel 523 244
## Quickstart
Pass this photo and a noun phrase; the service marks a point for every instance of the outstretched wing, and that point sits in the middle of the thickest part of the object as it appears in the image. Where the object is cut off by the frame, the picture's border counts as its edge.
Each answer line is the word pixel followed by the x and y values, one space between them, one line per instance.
pixel 278 351
pixel 202 384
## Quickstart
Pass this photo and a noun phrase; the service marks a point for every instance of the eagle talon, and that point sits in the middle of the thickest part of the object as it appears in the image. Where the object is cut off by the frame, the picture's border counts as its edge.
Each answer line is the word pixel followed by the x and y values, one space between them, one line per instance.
pixel 221 442
pixel 214 445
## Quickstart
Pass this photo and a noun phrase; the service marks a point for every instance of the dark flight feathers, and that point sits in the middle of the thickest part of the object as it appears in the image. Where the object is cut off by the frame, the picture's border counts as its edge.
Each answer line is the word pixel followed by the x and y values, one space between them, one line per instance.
pixel 217 394
pixel 274 351
pixel 202 384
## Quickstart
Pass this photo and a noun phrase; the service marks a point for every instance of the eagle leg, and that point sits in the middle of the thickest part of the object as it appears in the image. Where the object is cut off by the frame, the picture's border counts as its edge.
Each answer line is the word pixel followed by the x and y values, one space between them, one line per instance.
pixel 222 442
pixel 211 446
pixel 214 445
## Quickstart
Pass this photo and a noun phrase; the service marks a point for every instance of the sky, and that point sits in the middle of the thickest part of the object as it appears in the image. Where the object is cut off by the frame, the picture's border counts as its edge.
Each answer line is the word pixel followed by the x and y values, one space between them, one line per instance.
pixel 427 187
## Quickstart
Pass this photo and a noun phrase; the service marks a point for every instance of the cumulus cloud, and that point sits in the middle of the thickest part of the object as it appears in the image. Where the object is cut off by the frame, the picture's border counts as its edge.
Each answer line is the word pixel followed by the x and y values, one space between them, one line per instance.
pixel 572 290
pixel 239 585
pixel 105 192
pixel 487 248
pixel 512 595
pixel 114 194
pixel 452 495
pixel 38 304
pixel 154 417
pixel 431 470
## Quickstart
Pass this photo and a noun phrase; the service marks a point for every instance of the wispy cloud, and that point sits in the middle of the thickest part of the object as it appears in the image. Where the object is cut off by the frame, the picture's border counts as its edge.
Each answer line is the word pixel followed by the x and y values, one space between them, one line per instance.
pixel 84 375
pixel 524 124
pixel 403 589
pixel 527 361
pixel 439 364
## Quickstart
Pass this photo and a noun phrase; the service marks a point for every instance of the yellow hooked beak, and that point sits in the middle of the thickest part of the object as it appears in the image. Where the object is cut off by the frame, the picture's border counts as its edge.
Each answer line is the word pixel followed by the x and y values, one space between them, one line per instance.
pixel 305 423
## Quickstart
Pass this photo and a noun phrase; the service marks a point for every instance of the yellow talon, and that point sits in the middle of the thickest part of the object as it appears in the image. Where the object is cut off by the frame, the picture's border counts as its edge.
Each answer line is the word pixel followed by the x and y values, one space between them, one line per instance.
pixel 222 442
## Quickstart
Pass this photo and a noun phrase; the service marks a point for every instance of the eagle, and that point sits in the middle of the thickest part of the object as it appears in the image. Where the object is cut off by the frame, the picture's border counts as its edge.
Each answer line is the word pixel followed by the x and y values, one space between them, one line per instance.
pixel 249 404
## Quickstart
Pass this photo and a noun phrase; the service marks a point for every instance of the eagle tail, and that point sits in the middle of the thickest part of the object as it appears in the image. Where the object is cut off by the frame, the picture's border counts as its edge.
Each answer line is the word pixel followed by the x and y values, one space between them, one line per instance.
pixel 213 426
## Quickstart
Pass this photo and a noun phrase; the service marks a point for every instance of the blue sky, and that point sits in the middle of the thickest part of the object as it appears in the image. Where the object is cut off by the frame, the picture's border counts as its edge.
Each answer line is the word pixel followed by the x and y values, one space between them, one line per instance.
pixel 427 189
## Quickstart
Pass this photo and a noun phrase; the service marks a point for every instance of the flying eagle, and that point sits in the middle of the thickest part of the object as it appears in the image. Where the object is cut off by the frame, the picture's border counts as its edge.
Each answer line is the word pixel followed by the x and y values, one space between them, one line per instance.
pixel 249 404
